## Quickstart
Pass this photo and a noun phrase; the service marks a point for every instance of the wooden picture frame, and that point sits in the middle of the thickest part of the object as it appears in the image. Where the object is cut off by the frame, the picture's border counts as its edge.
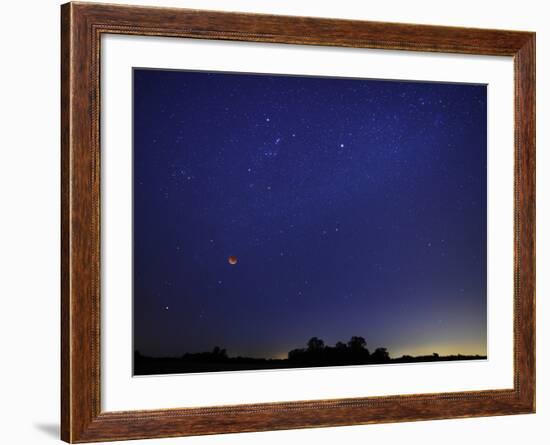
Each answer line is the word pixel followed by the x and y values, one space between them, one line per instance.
pixel 82 25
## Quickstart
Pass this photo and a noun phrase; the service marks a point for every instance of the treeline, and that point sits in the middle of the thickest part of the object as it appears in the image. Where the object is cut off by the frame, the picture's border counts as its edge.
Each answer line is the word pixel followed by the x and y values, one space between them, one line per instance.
pixel 315 354
pixel 353 352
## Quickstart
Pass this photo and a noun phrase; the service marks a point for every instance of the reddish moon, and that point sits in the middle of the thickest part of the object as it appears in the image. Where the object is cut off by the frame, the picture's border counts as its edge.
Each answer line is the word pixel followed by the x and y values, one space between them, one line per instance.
pixel 232 260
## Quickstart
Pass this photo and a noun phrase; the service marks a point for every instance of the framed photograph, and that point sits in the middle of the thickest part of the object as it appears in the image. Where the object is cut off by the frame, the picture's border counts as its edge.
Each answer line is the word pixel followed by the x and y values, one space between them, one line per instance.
pixel 274 222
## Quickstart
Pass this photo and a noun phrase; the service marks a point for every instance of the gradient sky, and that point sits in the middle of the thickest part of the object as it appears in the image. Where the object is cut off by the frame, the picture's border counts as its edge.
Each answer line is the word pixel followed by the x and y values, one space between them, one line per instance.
pixel 354 207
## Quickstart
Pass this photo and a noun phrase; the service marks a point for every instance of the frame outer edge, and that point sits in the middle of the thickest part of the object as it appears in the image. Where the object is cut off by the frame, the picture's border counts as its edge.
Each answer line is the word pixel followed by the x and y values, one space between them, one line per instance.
pixel 66 47
pixel 525 61
pixel 79 230
pixel 81 416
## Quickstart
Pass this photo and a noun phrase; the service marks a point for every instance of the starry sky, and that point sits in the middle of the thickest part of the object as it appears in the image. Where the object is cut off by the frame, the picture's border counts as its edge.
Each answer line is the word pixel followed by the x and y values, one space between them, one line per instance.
pixel 352 206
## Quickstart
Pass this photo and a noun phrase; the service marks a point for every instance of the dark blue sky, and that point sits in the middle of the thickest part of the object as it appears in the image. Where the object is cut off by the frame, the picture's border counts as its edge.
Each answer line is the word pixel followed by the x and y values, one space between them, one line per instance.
pixel 354 207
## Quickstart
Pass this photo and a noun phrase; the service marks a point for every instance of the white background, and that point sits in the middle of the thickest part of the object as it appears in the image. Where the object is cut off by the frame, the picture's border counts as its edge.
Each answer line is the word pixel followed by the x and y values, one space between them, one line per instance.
pixel 29 239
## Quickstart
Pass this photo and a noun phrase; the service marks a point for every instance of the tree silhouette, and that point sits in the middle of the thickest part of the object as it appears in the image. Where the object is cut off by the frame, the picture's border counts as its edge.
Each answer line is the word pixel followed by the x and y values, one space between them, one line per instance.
pixel 219 352
pixel 317 353
pixel 315 344
pixel 380 355
pixel 295 354
pixel 357 343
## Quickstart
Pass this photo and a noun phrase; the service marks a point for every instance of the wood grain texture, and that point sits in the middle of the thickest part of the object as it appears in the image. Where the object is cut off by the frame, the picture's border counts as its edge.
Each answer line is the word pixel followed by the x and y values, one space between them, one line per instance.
pixel 81 28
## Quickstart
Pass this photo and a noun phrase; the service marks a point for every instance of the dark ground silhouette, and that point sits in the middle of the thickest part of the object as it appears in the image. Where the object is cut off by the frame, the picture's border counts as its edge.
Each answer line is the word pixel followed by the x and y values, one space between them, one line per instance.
pixel 316 354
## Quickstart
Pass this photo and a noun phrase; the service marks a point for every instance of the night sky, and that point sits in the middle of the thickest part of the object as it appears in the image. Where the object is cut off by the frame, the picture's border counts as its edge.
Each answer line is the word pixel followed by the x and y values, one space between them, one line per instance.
pixel 352 206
